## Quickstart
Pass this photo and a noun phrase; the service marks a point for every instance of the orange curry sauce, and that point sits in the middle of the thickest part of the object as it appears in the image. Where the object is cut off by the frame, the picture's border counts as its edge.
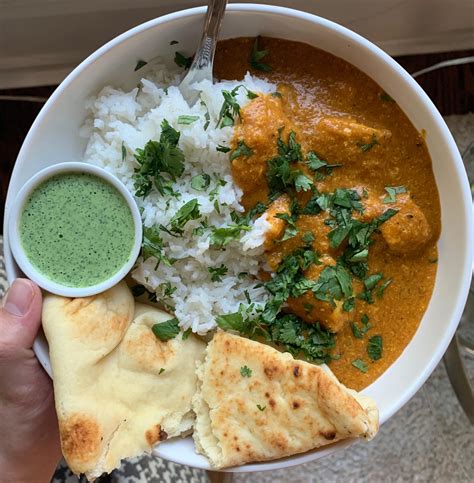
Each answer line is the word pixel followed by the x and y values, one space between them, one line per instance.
pixel 335 110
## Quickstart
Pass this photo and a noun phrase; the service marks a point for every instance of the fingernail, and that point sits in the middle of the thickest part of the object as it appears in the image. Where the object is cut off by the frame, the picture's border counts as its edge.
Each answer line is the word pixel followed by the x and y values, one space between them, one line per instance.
pixel 19 297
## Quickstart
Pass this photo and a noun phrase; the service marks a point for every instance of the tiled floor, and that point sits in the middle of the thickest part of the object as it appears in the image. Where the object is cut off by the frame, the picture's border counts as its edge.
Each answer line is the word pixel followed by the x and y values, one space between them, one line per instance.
pixel 430 439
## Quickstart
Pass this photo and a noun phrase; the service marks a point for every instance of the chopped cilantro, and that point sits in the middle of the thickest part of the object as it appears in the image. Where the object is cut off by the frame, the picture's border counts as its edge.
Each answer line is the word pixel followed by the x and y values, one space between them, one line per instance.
pixel 166 330
pixel 152 246
pixel 375 347
pixel 280 174
pixel 277 94
pixel 299 338
pixel 245 371
pixel 161 371
pixel 184 119
pixel 308 238
pixel 168 289
pixel 156 159
pixel 291 230
pixel 124 151
pixel 140 64
pixel 256 56
pixel 368 146
pixel 220 237
pixel 334 283
pixel 187 333
pixel 217 272
pixel 313 161
pixel 381 289
pixel 201 182
pixel 189 211
pixel 372 280
pixel 207 116
pixel 222 149
pixel 393 191
pixel 359 332
pixel 182 61
pixel 250 94
pixel 301 181
pixel 385 97
pixel 238 321
pixel 241 150
pixel 361 365
pixel 261 408
pixel 230 108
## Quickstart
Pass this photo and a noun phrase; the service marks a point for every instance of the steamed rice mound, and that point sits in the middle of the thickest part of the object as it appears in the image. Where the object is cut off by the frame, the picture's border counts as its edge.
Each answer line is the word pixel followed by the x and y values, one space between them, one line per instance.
pixel 122 122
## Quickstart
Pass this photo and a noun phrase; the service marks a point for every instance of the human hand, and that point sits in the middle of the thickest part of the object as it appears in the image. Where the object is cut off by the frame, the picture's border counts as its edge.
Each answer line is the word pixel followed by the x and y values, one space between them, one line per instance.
pixel 29 437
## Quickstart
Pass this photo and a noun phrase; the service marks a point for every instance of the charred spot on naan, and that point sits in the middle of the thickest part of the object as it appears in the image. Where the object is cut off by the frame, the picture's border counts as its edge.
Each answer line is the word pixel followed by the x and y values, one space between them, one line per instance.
pixel 81 439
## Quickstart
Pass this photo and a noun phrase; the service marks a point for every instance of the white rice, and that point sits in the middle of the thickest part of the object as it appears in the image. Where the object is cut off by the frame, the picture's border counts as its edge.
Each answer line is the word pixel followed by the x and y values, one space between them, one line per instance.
pixel 135 117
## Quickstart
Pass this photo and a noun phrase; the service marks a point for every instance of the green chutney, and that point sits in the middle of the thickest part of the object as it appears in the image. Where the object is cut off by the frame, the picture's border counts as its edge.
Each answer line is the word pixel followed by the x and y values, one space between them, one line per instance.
pixel 77 229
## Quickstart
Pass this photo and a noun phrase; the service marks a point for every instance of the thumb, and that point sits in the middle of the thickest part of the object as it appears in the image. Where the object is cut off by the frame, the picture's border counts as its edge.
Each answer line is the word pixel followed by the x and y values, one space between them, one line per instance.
pixel 20 315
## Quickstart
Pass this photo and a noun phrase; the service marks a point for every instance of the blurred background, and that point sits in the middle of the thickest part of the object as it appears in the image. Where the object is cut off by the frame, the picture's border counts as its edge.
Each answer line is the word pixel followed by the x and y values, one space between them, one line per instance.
pixel 41 41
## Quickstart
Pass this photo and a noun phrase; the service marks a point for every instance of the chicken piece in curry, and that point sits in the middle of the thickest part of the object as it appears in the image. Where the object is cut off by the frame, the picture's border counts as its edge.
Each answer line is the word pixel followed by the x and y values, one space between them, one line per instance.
pixel 350 199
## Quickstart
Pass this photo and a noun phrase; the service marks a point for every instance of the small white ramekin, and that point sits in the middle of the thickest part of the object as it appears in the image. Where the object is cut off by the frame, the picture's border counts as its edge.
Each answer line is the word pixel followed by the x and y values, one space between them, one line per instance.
pixel 14 232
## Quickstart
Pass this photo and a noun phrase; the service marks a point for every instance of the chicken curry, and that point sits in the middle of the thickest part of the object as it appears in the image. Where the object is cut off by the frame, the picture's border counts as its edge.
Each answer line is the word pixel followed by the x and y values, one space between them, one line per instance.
pixel 350 196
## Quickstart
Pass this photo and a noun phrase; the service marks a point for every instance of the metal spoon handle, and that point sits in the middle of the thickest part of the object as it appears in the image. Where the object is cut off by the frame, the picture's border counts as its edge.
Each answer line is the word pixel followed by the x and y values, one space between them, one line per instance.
pixel 201 67
pixel 212 23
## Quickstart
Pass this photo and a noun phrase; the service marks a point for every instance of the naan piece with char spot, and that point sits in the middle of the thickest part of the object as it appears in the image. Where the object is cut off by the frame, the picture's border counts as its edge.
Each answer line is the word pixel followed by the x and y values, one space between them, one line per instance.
pixel 118 389
pixel 255 403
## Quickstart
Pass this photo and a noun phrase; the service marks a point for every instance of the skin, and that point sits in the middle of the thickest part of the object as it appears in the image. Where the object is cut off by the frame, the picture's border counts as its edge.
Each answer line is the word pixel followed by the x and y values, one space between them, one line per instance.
pixel 29 446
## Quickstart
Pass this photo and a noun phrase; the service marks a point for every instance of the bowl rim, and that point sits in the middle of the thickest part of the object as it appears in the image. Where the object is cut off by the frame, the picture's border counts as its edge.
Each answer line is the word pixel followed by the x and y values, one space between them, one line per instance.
pixel 23 261
pixel 411 84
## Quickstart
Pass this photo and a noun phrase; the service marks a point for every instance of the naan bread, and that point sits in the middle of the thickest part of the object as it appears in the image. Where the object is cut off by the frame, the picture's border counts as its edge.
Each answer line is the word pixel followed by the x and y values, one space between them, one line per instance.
pixel 113 399
pixel 285 407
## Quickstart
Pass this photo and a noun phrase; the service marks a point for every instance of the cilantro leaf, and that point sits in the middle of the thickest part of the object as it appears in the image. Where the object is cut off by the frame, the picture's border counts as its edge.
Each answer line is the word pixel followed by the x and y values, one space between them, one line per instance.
pixel 230 108
pixel 302 182
pixel 245 371
pixel 189 211
pixel 187 333
pixel 184 119
pixel 393 191
pixel 368 146
pixel 220 237
pixel 222 149
pixel 152 246
pixel 182 61
pixel 361 365
pixel 375 347
pixel 166 330
pixel 360 332
pixel 156 159
pixel 124 151
pixel 256 56
pixel 207 116
pixel 313 161
pixel 201 182
pixel 385 97
pixel 241 150
pixel 217 272
pixel 261 408
pixel 140 64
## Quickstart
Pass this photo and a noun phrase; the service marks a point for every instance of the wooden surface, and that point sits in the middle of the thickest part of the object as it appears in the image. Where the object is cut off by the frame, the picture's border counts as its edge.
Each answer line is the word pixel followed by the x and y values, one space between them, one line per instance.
pixel 451 89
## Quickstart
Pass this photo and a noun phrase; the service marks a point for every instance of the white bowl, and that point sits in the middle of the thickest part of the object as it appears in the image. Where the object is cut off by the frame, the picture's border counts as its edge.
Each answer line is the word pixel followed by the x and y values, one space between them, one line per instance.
pixel 54 135
pixel 21 258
